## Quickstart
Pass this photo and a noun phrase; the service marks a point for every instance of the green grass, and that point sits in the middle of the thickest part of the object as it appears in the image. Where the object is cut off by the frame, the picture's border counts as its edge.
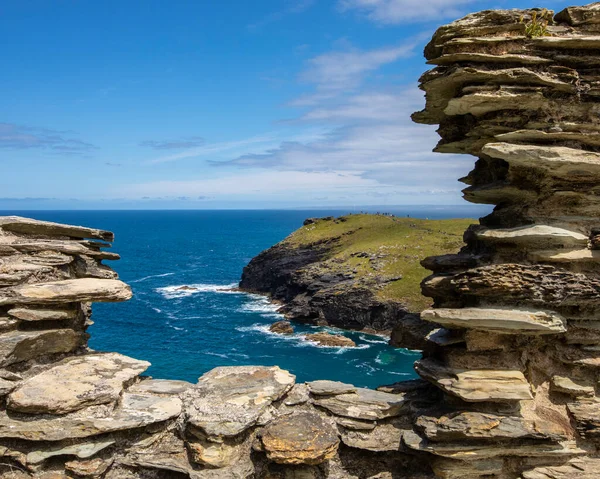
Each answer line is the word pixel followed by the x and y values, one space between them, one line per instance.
pixel 401 242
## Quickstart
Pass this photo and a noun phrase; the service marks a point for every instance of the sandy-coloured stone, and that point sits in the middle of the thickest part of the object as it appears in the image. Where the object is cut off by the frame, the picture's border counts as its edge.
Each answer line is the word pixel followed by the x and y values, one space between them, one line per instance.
pixel 282 327
pixel 363 404
pixel 537 235
pixel 69 291
pixel 82 450
pixel 568 164
pixel 578 468
pixel 228 400
pixel 479 104
pixel 486 427
pixel 29 314
pixel 19 224
pixel 89 468
pixel 571 386
pixel 329 388
pixel 477 385
pixel 19 346
pixel 477 57
pixel 477 450
pixel 160 387
pixel 380 438
pixel 75 383
pixel 505 320
pixel 134 411
pixel 301 438
pixel 215 454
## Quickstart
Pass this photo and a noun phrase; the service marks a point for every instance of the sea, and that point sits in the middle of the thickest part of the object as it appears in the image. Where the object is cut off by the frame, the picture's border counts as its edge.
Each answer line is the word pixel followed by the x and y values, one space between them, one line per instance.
pixel 185 333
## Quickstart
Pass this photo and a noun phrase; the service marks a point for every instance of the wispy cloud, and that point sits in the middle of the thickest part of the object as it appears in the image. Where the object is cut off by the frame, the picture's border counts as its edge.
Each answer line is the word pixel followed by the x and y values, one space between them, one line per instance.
pixel 292 7
pixel 394 12
pixel 343 70
pixel 22 137
pixel 177 144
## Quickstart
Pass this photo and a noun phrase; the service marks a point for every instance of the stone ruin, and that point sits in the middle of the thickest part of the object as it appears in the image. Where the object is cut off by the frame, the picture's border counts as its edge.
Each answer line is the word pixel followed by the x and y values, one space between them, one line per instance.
pixel 510 374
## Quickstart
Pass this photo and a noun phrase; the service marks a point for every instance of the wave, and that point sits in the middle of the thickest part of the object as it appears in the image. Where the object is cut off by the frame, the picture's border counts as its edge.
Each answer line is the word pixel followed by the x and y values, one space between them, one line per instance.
pixel 151 276
pixel 373 341
pixel 185 290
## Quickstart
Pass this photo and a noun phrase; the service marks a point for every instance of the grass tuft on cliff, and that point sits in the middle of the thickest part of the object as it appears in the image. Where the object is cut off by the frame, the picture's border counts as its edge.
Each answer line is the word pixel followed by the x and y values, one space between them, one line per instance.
pixel 375 246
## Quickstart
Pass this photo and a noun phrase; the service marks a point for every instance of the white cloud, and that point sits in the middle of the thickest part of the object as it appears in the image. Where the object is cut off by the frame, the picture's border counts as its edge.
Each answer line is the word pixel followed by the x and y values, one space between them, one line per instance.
pixel 403 11
pixel 339 71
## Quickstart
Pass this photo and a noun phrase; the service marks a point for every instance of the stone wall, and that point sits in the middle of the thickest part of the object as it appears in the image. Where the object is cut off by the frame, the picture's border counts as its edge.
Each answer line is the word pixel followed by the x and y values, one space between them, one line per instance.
pixel 518 354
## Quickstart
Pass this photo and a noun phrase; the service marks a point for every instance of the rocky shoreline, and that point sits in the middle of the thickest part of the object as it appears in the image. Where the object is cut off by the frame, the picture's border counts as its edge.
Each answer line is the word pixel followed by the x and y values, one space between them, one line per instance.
pixel 314 286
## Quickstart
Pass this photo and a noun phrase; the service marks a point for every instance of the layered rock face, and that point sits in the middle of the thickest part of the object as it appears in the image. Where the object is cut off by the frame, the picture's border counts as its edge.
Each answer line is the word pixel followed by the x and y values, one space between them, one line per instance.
pixel 69 412
pixel 518 353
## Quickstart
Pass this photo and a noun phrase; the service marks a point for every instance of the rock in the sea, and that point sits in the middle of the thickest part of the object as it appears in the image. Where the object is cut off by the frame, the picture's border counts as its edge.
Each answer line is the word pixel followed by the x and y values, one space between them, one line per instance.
pixel 301 438
pixel 363 404
pixel 75 383
pixel 228 400
pixel 282 327
pixel 331 340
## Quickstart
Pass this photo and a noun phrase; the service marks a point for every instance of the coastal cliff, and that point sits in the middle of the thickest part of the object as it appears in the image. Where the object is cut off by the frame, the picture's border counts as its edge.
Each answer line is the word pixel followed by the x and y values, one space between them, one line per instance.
pixel 357 272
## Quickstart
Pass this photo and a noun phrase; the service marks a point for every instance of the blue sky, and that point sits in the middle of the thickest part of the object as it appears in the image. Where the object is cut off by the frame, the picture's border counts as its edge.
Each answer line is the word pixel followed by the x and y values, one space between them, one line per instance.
pixel 221 104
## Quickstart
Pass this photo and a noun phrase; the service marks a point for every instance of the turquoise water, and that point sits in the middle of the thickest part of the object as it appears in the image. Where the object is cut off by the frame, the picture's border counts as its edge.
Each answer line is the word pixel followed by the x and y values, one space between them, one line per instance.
pixel 184 334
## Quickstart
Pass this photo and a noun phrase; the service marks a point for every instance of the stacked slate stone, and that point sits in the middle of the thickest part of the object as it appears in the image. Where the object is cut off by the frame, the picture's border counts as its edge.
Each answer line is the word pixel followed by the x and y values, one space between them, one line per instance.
pixel 69 412
pixel 517 354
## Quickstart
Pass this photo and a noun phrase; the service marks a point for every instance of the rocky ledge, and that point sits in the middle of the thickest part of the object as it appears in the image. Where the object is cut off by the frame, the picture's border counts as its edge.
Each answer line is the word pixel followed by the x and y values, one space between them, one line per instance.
pixel 359 272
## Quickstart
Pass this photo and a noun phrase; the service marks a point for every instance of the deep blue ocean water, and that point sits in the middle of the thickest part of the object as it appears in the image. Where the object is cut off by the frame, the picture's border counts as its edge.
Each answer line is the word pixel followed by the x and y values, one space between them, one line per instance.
pixel 184 334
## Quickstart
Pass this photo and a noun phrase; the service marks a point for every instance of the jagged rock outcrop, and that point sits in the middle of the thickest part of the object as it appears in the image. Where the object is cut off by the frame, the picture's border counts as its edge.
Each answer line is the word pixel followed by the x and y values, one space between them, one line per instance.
pixel 517 355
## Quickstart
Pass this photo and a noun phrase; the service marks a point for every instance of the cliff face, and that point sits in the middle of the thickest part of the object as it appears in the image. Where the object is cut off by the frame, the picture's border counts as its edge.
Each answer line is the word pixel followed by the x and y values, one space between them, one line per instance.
pixel 517 358
pixel 355 272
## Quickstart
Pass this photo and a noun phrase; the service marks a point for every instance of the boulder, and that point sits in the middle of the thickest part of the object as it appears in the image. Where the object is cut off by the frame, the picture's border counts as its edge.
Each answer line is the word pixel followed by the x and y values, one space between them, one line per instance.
pixel 300 438
pixel 228 400
pixel 331 340
pixel 329 388
pixel 75 383
pixel 282 327
pixel 363 404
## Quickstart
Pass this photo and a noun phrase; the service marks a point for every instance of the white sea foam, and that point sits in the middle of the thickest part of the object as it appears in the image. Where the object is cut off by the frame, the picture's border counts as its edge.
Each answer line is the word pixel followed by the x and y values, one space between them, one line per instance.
pixel 373 341
pixel 185 290
pixel 151 276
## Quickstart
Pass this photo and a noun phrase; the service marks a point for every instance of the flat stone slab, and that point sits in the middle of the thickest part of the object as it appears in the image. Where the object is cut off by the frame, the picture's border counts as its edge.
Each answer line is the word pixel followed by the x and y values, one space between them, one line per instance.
pixel 134 411
pixel 491 427
pixel 19 224
pixel 571 386
pixel 165 387
pixel 381 438
pixel 75 383
pixel 477 450
pixel 19 346
pixel 506 321
pixel 579 468
pixel 329 388
pixel 568 164
pixel 533 235
pixel 363 404
pixel 228 400
pixel 27 314
pixel 587 417
pixel 302 438
pixel 82 451
pixel 478 385
pixel 68 291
